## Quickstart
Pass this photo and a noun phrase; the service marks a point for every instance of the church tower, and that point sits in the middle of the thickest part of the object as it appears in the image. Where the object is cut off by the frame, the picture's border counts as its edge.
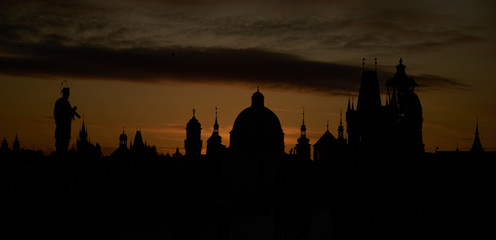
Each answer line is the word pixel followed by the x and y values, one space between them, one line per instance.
pixel 406 110
pixel 476 145
pixel 193 142
pixel 303 146
pixel 341 138
pixel 214 143
pixel 123 140
pixel 16 147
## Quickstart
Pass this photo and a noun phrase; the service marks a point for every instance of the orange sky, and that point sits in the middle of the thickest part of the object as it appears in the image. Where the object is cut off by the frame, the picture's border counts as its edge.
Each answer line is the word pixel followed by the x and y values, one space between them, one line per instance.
pixel 145 64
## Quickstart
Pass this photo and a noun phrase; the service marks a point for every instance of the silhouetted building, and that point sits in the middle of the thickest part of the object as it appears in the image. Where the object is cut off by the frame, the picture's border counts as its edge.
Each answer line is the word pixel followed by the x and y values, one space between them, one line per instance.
pixel 122 150
pixel 16 146
pixel 5 146
pixel 303 147
pixel 84 146
pixel 372 127
pixel 326 147
pixel 476 145
pixel 177 154
pixel 257 131
pixel 214 143
pixel 193 142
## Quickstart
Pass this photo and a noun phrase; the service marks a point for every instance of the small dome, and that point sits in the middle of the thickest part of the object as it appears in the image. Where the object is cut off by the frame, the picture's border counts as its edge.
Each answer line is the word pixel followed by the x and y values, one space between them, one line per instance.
pixel 257 99
pixel 123 136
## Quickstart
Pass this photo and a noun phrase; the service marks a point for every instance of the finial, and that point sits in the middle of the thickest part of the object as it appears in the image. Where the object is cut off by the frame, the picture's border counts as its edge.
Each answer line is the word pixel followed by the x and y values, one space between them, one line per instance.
pixel 340 116
pixel 327 125
pixel 375 62
pixel 122 129
pixel 401 61
pixel 194 111
pixel 258 88
pixel 363 64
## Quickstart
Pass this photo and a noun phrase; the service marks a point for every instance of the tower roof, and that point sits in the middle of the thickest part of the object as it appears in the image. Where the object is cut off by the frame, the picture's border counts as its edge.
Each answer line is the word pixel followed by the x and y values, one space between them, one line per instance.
pixel 476 145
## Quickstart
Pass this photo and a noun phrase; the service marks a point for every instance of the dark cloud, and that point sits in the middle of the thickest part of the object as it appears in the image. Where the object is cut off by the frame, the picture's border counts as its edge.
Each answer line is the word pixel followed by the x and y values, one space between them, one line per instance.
pixel 188 64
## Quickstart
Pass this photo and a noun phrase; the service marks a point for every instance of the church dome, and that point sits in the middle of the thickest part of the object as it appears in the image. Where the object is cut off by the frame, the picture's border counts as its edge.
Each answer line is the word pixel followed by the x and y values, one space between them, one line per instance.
pixel 257 131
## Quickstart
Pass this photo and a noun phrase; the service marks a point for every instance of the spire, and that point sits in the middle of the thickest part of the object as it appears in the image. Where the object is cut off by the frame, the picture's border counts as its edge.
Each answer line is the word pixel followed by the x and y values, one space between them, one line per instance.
pixel 341 128
pixel 216 124
pixel 352 104
pixel 476 145
pixel 194 111
pixel 375 62
pixel 327 125
pixel 303 128
pixel 363 64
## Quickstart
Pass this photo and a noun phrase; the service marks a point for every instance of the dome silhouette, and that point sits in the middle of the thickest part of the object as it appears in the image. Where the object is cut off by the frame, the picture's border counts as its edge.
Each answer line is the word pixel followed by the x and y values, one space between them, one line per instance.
pixel 257 131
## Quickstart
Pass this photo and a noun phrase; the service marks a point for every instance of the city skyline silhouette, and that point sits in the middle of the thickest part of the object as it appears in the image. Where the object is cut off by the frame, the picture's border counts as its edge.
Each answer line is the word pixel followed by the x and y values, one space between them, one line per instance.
pixel 247 120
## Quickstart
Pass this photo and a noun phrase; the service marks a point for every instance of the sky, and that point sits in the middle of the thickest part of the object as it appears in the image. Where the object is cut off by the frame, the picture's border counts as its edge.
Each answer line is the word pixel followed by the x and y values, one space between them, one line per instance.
pixel 146 64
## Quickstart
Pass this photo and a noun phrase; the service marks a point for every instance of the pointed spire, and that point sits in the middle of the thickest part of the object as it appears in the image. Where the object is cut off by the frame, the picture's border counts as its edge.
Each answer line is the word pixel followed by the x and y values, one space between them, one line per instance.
pixel 363 64
pixel 476 145
pixel 258 88
pixel 341 128
pixel 327 125
pixel 216 124
pixel 375 62
pixel 352 103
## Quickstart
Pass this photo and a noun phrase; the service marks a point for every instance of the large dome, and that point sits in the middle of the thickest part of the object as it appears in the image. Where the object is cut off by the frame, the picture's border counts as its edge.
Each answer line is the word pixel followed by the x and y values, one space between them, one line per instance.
pixel 257 131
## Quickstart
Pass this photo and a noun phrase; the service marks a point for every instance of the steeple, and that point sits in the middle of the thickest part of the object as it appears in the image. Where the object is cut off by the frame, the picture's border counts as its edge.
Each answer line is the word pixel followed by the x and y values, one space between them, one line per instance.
pixel 83 134
pixel 303 127
pixel 341 128
pixel 476 145
pixel 16 147
pixel 216 124
pixel 214 143
pixel 302 148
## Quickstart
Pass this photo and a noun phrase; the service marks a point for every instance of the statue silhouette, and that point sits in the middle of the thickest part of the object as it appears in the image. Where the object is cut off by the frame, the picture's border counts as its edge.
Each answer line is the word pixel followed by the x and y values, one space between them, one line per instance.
pixel 64 114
